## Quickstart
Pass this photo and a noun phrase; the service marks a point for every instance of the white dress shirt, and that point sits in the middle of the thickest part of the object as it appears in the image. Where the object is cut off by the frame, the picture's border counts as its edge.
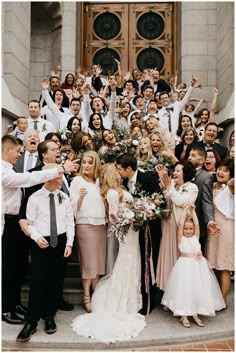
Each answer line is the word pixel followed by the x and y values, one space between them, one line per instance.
pixel 177 108
pixel 52 112
pixel 12 183
pixel 38 211
pixel 43 127
pixel 35 157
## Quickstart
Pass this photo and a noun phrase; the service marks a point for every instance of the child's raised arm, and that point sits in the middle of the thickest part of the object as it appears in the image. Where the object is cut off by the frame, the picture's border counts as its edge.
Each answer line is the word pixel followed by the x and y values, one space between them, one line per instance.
pixel 181 224
pixel 195 222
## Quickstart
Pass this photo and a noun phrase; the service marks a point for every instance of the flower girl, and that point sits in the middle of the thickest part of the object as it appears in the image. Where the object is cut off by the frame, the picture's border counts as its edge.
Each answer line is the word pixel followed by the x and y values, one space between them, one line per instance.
pixel 192 287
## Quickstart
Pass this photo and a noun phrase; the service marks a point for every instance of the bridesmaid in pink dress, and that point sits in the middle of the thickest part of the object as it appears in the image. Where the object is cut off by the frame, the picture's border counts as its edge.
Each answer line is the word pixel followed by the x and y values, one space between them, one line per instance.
pixel 220 250
pixel 177 192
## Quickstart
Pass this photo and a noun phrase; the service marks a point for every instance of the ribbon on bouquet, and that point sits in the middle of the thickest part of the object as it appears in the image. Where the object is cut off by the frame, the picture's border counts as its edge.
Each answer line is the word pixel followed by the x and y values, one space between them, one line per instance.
pixel 149 268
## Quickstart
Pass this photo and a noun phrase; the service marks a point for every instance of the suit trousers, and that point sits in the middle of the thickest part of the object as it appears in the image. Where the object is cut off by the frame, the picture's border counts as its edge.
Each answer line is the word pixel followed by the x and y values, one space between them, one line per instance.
pixel 155 230
pixel 15 249
pixel 47 271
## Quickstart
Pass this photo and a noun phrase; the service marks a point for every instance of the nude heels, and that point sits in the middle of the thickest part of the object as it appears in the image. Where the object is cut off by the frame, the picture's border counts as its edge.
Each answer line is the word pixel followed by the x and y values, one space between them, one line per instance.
pixel 198 321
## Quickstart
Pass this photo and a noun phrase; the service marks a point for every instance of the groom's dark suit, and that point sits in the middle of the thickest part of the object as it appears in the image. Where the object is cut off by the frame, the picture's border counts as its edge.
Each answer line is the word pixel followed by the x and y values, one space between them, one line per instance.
pixel 149 184
pixel 204 202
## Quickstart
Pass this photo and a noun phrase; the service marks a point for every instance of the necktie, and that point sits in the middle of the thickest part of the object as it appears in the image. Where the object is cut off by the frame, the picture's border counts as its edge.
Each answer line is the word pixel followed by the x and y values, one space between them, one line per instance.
pixel 35 125
pixel 53 222
pixel 29 162
pixel 169 121
pixel 64 189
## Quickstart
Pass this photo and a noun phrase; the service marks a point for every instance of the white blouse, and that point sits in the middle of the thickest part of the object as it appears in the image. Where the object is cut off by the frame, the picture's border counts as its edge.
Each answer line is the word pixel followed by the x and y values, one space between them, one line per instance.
pixel 92 210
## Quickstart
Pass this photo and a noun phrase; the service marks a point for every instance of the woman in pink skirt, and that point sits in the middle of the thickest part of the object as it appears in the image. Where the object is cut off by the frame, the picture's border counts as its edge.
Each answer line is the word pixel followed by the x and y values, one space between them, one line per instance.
pixel 90 221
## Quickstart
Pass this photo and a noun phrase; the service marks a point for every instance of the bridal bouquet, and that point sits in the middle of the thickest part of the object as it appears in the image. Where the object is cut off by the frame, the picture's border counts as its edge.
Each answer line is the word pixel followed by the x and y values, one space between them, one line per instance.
pixel 134 214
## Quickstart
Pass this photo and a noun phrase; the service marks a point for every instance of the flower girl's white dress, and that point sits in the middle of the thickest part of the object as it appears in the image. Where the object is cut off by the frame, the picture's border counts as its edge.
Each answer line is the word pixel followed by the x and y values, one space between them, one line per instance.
pixel 117 299
pixel 192 287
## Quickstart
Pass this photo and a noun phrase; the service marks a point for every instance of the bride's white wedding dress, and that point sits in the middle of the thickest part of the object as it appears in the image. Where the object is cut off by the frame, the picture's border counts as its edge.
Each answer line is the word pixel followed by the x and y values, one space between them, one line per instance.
pixel 117 298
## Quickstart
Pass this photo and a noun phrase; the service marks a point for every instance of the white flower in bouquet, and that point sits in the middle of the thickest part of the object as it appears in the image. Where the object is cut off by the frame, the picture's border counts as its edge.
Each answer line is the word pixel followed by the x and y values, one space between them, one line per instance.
pixel 135 142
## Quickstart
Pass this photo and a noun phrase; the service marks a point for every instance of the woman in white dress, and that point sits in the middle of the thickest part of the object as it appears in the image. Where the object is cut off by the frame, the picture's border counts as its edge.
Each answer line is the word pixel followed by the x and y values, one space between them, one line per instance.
pixel 117 299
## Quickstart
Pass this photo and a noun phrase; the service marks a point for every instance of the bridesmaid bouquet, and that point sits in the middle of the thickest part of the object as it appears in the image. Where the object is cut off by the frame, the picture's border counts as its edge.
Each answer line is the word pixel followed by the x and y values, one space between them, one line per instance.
pixel 136 213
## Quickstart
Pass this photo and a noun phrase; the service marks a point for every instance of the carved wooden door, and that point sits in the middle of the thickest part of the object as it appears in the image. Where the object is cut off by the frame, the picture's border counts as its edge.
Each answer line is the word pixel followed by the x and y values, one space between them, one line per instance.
pixel 137 34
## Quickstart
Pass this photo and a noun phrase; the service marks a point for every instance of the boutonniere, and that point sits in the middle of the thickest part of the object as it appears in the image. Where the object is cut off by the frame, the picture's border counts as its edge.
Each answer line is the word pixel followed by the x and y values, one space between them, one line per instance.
pixel 44 127
pixel 60 197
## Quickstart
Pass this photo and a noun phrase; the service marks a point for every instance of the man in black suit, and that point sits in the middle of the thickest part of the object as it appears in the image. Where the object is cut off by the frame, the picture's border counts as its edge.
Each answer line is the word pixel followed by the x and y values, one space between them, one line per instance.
pixel 208 142
pixel 204 201
pixel 48 152
pixel 133 179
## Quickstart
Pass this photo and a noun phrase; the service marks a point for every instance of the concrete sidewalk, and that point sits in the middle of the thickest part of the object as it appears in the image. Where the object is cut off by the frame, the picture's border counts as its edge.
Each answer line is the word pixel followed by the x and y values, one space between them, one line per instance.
pixel 162 329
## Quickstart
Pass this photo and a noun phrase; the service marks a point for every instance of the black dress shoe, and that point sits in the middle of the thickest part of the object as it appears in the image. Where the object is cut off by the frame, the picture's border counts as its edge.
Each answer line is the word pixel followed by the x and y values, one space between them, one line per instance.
pixel 50 325
pixel 26 332
pixel 21 309
pixel 143 311
pixel 65 306
pixel 12 319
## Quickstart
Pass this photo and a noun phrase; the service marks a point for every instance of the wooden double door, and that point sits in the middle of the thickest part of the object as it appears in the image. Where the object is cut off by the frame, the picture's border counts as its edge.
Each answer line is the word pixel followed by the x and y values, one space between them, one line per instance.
pixel 136 34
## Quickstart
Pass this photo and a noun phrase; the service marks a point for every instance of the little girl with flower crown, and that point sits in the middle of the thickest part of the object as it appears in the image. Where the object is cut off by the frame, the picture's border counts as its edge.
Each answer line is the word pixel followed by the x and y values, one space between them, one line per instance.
pixel 192 287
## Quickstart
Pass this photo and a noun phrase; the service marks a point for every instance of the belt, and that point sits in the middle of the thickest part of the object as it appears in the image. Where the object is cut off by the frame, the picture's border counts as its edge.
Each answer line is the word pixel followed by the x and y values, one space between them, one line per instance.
pixel 10 216
pixel 48 236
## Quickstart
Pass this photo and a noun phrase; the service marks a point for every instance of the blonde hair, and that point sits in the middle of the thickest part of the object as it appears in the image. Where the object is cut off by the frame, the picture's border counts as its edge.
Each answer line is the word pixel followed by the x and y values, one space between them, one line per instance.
pixel 149 154
pixel 96 164
pixel 108 180
pixel 160 135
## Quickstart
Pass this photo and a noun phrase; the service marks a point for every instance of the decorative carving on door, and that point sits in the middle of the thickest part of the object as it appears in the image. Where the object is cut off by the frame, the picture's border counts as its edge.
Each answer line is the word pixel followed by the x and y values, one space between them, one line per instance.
pixel 140 35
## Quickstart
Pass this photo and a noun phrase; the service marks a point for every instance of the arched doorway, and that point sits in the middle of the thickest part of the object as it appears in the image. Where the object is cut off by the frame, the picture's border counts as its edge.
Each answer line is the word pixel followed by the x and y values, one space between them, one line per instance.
pixel 140 35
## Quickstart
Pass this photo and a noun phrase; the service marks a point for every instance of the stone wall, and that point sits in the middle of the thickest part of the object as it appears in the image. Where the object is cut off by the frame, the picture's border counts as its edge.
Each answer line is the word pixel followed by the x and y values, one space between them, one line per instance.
pixel 45 45
pixel 225 51
pixel 198 46
pixel 68 40
pixel 16 51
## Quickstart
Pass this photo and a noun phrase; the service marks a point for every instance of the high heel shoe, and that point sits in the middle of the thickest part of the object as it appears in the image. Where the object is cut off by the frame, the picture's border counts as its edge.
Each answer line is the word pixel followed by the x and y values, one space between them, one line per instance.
pixel 198 321
pixel 87 303
pixel 184 321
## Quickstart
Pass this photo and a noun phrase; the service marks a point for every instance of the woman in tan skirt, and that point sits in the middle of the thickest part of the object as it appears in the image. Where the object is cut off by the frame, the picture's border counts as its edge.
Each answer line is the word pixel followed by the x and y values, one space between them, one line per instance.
pixel 90 221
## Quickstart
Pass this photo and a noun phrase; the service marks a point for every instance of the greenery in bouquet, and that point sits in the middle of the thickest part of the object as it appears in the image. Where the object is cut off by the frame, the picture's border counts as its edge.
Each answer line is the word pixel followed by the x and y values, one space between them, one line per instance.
pixel 134 214
pixel 66 136
pixel 150 166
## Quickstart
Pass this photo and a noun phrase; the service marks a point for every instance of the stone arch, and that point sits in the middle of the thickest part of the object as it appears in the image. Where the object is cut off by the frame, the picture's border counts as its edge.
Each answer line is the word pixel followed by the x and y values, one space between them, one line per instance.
pixel 45 43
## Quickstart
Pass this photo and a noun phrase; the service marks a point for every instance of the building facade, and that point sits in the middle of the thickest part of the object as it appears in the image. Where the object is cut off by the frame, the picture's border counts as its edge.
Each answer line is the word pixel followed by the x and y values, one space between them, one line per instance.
pixel 191 37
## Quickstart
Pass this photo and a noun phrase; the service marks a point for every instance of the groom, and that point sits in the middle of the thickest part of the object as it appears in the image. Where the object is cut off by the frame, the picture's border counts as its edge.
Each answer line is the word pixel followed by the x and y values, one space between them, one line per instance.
pixel 127 167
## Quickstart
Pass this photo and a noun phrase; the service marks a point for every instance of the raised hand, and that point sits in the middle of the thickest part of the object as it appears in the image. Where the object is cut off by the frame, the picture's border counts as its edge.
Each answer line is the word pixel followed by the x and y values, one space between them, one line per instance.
pixel 59 67
pixel 127 76
pixel 44 83
pixel 71 166
pixel 215 91
pixel 193 81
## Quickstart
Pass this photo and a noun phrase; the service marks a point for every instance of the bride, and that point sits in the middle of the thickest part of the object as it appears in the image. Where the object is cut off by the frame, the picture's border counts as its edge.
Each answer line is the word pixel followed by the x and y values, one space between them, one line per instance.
pixel 117 298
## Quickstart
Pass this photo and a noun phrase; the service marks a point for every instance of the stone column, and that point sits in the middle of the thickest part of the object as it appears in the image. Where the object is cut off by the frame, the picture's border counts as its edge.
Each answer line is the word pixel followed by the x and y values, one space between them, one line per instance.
pixel 16 51
pixel 198 46
pixel 68 38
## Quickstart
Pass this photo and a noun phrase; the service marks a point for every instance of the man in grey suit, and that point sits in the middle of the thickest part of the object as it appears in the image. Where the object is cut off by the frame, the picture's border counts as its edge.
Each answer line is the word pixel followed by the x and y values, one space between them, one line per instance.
pixel 29 158
pixel 204 201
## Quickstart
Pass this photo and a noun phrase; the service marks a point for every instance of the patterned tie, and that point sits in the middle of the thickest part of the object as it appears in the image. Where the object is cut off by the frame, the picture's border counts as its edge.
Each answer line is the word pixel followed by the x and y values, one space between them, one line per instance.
pixel 29 162
pixel 53 222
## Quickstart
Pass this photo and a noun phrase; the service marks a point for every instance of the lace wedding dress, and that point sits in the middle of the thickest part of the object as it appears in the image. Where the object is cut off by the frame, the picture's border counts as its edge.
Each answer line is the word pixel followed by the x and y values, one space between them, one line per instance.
pixel 117 298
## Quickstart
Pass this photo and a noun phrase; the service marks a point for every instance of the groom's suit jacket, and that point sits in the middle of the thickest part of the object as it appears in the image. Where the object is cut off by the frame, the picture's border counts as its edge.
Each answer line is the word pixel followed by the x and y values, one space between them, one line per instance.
pixel 204 202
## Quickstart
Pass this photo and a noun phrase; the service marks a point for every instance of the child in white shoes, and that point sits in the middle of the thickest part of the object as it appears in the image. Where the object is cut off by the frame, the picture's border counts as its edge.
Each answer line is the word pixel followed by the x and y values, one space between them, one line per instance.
pixel 192 287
